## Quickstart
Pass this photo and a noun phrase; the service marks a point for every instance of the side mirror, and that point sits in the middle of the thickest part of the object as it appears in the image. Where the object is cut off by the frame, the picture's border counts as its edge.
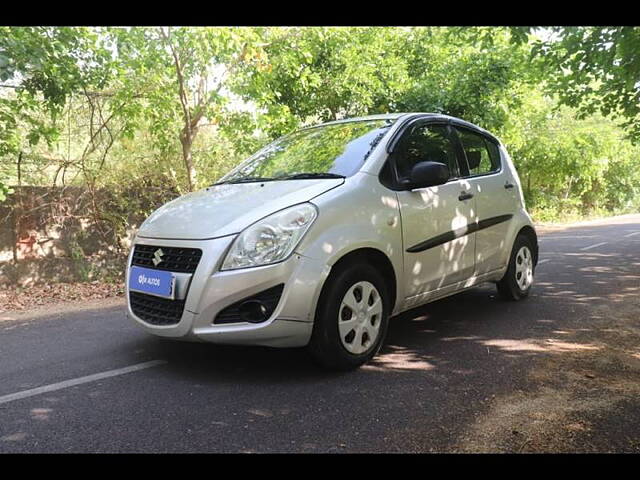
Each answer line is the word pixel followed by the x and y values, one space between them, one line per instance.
pixel 427 174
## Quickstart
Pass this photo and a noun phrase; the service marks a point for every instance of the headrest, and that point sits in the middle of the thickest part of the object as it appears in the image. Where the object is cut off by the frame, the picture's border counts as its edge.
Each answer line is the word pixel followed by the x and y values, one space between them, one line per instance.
pixel 437 156
pixel 474 159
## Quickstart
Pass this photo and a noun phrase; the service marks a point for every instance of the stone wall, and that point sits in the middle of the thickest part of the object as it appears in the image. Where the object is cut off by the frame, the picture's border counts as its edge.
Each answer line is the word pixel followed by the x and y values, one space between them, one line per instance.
pixel 63 235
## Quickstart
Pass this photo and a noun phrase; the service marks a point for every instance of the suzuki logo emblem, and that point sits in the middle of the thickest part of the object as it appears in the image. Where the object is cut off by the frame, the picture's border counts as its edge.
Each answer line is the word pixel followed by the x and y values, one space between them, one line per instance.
pixel 157 256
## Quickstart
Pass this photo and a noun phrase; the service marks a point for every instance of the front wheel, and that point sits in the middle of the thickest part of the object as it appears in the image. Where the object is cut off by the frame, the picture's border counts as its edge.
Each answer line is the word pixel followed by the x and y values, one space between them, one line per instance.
pixel 351 318
pixel 517 280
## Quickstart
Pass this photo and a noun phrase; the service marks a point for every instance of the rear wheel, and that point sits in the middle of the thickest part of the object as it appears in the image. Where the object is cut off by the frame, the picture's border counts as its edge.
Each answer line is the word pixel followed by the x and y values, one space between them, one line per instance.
pixel 517 280
pixel 351 318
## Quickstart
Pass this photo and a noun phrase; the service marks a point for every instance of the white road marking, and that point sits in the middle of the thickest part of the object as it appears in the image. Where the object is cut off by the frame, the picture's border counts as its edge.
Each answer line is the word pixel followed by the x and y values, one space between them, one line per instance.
pixel 544 261
pixel 593 246
pixel 78 381
pixel 631 234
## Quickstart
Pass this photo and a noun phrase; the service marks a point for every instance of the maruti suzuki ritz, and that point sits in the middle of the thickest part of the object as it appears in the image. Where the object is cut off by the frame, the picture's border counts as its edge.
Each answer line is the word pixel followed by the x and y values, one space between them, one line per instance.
pixel 323 235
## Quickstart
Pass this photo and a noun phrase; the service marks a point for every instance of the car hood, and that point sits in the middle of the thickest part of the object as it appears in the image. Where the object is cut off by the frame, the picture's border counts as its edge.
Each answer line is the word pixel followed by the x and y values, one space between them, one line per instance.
pixel 226 209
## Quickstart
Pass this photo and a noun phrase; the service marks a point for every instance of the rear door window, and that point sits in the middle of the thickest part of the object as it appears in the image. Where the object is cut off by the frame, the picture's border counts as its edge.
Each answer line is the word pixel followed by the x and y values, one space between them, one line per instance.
pixel 482 154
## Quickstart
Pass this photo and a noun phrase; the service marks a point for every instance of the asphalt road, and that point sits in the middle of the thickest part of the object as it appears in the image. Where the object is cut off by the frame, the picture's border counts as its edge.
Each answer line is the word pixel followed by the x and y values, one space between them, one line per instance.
pixel 440 383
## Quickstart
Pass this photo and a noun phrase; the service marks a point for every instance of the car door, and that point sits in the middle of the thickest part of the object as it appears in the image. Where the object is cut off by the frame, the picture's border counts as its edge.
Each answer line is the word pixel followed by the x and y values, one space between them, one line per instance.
pixel 495 197
pixel 437 249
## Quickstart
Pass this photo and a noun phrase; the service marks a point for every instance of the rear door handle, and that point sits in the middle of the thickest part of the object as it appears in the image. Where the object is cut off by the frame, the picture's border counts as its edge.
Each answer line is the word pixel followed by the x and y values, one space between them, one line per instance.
pixel 508 185
pixel 465 196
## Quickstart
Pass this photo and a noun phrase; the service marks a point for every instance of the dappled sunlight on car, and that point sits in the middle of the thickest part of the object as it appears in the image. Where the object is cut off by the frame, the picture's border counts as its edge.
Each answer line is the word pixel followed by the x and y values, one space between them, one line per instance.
pixel 389 201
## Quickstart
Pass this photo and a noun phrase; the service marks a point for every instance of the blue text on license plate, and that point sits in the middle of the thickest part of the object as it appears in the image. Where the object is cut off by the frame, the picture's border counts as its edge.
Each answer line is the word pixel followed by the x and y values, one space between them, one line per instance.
pixel 153 282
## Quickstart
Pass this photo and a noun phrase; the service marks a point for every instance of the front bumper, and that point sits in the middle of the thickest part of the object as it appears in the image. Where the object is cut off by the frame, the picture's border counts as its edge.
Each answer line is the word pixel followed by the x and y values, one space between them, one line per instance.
pixel 208 291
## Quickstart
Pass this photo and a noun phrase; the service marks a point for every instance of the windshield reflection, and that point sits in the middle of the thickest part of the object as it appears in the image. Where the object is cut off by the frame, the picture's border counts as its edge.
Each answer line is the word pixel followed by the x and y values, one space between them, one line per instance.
pixel 327 151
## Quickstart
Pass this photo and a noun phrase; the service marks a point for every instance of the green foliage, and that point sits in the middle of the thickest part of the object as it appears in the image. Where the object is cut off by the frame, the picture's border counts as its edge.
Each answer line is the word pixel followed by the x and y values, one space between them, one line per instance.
pixel 162 111
pixel 594 69
pixel 174 80
pixel 45 65
pixel 52 61
pixel 466 80
pixel 4 191
pixel 319 74
pixel 82 266
pixel 570 165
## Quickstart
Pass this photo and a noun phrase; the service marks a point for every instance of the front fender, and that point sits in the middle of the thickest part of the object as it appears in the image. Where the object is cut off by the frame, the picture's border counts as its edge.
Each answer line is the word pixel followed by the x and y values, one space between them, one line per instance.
pixel 361 214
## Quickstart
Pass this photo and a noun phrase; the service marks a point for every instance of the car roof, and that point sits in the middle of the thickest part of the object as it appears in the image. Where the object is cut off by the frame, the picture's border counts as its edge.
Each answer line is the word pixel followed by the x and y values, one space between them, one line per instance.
pixel 382 116
pixel 411 116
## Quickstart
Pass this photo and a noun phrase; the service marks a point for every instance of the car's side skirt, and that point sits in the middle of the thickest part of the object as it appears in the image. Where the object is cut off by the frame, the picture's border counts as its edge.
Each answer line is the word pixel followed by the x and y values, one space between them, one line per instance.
pixel 433 295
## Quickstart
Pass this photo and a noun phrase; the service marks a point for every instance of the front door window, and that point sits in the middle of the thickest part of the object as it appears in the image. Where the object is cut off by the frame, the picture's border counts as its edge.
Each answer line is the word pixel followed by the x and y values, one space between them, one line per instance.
pixel 426 143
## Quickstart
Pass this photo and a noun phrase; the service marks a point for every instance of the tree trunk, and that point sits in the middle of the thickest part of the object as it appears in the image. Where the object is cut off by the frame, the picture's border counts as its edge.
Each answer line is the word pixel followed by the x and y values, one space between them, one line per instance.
pixel 16 211
pixel 187 141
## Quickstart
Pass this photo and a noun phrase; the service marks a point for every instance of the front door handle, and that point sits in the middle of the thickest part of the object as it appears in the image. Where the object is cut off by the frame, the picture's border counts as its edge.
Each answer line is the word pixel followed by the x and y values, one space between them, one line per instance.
pixel 465 196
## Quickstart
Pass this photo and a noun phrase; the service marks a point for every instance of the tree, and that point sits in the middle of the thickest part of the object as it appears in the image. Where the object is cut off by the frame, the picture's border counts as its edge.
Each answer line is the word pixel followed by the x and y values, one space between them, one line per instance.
pixel 594 69
pixel 570 166
pixel 184 74
pixel 471 73
pixel 116 108
pixel 320 74
pixel 40 68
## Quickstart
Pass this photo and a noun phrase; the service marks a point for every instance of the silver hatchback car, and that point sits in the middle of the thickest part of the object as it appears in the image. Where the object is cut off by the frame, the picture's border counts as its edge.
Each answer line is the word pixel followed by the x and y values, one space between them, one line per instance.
pixel 323 235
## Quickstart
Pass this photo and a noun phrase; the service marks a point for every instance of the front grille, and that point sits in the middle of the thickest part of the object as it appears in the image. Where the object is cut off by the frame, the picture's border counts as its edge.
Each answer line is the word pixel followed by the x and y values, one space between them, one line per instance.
pixel 174 259
pixel 269 298
pixel 156 310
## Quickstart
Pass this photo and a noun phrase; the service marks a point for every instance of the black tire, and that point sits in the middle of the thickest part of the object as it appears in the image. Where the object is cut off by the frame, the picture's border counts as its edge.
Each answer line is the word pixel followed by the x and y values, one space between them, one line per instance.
pixel 326 346
pixel 508 287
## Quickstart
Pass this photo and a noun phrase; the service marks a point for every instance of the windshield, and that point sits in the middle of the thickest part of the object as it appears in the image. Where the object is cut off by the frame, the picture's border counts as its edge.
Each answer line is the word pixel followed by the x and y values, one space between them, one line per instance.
pixel 327 151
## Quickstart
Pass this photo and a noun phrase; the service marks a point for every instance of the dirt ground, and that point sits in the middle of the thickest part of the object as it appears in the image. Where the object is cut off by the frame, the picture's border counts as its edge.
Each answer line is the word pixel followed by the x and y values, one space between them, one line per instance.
pixel 589 384
pixel 42 297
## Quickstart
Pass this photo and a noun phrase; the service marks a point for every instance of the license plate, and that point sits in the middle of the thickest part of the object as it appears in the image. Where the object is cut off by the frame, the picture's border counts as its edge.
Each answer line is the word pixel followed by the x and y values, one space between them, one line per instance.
pixel 153 282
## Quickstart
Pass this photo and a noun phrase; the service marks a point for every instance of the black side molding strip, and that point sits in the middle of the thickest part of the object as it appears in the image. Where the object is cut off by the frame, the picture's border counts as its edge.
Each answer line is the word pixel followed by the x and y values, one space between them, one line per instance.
pixel 460 232
pixel 488 222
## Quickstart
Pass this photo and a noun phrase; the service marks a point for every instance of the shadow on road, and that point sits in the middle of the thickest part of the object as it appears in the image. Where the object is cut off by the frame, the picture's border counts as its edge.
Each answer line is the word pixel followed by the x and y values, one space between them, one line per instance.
pixel 453 335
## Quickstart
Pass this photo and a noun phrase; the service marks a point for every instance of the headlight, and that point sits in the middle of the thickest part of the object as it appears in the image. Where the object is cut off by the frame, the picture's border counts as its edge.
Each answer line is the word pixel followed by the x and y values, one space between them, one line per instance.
pixel 271 239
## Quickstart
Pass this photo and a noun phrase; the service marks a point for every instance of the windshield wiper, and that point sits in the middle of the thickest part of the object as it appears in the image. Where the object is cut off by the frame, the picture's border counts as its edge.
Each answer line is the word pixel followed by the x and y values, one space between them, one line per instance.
pixel 303 176
pixel 295 176
pixel 245 180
